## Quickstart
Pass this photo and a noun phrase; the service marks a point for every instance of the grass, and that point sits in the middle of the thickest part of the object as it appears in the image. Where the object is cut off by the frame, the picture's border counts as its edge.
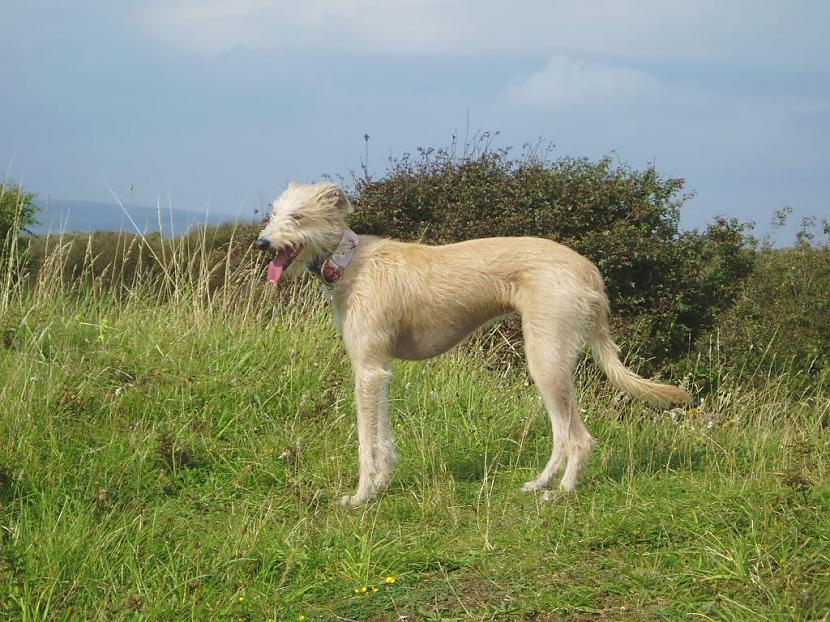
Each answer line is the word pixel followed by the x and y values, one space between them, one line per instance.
pixel 170 453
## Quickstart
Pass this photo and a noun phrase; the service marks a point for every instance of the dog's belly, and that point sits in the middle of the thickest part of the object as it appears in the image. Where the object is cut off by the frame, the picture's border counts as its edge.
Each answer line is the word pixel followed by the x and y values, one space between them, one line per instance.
pixel 415 343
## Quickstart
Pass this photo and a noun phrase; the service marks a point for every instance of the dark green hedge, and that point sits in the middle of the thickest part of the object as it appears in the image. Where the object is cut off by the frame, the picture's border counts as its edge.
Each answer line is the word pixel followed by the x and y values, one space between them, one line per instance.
pixel 666 286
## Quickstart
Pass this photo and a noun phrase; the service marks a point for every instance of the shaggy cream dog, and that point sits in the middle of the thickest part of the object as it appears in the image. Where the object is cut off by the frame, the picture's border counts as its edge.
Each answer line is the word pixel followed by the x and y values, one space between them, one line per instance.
pixel 411 301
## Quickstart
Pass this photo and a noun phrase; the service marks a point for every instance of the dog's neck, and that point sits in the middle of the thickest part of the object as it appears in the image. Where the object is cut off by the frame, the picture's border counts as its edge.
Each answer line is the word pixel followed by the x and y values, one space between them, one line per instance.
pixel 330 267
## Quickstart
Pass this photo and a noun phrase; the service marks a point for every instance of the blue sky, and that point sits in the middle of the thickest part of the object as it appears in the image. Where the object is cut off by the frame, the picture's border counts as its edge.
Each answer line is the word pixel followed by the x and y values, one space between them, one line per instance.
pixel 218 105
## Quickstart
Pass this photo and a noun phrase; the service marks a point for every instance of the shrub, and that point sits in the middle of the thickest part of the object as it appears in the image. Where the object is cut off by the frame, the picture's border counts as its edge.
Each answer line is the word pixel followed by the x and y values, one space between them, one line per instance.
pixel 782 319
pixel 17 209
pixel 666 287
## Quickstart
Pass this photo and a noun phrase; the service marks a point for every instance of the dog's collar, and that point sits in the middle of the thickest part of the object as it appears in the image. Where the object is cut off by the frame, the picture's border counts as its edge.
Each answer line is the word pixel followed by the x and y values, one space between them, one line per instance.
pixel 330 269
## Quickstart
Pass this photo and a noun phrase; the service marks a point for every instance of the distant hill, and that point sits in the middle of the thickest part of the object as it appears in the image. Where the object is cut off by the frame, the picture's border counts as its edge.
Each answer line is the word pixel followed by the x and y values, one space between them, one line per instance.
pixel 84 216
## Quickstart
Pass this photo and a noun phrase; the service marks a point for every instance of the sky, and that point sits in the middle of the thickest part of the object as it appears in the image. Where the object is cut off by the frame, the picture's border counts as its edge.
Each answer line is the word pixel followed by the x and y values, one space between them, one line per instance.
pixel 216 105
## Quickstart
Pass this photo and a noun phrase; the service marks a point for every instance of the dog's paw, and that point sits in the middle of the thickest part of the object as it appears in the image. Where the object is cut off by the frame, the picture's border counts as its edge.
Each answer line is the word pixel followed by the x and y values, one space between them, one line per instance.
pixel 534 486
pixel 352 501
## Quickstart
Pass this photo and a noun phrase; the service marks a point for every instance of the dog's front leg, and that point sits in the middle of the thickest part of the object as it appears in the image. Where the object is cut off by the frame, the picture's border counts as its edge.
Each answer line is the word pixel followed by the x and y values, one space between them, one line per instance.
pixel 385 455
pixel 370 396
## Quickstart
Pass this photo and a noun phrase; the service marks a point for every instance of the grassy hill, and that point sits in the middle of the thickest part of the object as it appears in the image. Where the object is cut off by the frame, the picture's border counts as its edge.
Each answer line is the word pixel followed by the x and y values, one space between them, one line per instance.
pixel 173 451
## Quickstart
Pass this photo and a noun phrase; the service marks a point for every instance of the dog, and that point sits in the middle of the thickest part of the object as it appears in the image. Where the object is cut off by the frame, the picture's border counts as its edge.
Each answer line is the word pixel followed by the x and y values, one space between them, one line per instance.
pixel 410 301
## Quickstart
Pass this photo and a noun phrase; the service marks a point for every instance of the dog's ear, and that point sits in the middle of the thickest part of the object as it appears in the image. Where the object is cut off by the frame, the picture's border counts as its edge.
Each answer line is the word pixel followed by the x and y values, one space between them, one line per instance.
pixel 340 199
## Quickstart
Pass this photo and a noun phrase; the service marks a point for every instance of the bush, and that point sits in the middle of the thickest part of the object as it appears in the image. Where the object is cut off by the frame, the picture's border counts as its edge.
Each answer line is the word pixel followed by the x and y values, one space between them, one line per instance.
pixel 666 287
pixel 17 209
pixel 782 319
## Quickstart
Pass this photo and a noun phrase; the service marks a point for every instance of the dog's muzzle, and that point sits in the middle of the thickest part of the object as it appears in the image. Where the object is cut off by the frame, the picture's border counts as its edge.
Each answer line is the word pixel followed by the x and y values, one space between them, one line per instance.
pixel 262 244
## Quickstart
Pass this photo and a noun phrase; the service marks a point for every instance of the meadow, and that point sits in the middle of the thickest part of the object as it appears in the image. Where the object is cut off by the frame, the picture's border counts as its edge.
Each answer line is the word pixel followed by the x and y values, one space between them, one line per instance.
pixel 174 451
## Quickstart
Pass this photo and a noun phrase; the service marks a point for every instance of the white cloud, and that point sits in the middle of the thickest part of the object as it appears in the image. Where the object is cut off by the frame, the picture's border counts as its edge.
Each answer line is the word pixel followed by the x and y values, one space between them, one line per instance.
pixel 740 31
pixel 216 26
pixel 566 82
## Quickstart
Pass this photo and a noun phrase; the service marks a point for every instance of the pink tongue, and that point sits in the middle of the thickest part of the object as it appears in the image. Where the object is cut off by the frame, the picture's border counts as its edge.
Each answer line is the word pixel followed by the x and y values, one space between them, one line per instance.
pixel 274 271
pixel 277 265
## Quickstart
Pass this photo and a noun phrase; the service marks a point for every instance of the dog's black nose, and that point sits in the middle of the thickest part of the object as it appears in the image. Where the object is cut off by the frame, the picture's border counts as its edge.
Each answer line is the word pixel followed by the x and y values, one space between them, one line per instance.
pixel 262 244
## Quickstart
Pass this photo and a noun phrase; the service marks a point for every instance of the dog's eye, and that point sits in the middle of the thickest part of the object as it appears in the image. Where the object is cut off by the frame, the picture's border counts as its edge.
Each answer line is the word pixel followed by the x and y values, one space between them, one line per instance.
pixel 297 216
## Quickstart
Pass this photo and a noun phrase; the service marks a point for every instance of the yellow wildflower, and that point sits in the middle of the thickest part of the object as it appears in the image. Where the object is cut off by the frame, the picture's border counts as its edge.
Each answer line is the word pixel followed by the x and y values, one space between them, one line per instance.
pixel 390 580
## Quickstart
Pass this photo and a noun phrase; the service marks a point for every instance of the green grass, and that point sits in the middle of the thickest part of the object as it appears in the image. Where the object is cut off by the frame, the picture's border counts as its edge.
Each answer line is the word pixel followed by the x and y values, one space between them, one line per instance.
pixel 176 458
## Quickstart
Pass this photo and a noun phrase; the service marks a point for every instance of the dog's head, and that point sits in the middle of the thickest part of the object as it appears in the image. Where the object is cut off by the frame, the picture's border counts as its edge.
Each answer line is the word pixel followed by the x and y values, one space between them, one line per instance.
pixel 306 222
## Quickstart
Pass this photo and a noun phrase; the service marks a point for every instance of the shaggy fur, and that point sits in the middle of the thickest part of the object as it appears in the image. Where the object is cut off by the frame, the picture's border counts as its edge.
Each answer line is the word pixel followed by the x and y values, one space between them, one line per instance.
pixel 412 301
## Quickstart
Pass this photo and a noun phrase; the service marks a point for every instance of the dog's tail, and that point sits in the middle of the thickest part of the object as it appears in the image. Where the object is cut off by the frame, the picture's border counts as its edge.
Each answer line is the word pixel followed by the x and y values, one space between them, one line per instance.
pixel 606 354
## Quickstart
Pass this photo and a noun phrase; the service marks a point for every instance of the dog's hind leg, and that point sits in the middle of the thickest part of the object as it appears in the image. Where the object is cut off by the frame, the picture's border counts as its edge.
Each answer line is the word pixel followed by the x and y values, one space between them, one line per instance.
pixel 552 348
pixel 372 422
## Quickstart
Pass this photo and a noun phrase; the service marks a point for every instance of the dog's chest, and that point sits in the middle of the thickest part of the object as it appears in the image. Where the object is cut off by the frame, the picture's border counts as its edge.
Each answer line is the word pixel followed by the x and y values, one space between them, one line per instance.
pixel 337 307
